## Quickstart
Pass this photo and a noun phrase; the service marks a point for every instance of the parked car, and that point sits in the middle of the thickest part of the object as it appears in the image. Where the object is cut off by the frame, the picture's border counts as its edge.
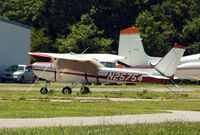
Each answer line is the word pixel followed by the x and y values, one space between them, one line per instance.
pixel 18 73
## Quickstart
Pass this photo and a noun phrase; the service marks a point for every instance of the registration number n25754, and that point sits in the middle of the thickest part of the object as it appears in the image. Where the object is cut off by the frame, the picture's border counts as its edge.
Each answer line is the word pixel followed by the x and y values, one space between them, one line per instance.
pixel 124 77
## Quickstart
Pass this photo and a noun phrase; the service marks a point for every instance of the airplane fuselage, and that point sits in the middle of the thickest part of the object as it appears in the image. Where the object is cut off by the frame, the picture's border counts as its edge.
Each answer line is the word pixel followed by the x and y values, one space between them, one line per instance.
pixel 105 75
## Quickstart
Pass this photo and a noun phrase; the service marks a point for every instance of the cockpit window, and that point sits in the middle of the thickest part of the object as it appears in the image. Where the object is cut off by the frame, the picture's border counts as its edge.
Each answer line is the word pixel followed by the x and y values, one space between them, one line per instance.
pixel 109 64
pixel 15 68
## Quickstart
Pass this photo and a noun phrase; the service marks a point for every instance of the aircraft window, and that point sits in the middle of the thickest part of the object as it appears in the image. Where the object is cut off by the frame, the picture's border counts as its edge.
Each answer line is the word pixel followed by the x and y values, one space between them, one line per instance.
pixel 109 64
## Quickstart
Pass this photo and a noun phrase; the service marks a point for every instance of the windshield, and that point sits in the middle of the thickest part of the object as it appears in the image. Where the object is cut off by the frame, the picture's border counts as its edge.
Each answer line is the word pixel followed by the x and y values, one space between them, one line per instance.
pixel 15 68
pixel 109 64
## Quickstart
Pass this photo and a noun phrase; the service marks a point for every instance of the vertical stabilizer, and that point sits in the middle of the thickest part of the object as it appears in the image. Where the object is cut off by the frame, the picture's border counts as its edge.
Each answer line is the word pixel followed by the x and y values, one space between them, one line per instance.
pixel 130 46
pixel 168 64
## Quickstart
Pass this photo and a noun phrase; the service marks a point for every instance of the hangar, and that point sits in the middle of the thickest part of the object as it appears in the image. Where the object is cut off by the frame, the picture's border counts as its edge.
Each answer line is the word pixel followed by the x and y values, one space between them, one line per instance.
pixel 14 43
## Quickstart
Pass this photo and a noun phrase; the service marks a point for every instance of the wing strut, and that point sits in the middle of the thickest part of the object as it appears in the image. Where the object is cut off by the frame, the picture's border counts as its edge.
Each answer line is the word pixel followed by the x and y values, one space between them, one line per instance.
pixel 56 67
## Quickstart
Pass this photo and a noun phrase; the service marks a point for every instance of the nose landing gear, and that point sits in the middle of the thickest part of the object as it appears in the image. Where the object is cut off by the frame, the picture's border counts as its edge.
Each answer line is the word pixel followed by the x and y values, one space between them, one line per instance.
pixel 44 89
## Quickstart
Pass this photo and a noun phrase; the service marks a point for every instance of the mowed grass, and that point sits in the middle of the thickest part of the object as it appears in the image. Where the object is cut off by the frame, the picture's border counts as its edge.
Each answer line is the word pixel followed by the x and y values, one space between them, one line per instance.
pixel 32 104
pixel 57 85
pixel 52 94
pixel 46 109
pixel 166 128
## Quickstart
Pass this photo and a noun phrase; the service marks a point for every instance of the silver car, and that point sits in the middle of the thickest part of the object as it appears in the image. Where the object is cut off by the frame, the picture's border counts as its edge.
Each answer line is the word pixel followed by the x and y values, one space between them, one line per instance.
pixel 18 73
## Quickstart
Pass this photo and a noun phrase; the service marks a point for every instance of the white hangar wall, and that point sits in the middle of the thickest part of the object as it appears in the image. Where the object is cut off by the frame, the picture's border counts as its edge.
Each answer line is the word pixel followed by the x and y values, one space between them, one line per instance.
pixel 14 43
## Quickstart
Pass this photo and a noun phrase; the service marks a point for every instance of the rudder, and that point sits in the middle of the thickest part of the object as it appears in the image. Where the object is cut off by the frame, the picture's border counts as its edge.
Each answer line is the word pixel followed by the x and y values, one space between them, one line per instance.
pixel 168 64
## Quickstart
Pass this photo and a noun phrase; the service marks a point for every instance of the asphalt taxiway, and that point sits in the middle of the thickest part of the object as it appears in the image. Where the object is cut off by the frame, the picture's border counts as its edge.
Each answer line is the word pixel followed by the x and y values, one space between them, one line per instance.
pixel 174 115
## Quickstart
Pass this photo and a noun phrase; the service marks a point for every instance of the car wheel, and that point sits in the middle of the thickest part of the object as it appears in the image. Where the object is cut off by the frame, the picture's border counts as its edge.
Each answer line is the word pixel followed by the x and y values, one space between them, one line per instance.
pixel 22 79
pixel 2 80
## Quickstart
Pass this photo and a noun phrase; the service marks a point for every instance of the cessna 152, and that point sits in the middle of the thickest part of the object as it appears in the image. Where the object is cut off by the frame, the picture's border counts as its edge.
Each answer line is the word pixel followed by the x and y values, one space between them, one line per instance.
pixel 86 68
pixel 130 46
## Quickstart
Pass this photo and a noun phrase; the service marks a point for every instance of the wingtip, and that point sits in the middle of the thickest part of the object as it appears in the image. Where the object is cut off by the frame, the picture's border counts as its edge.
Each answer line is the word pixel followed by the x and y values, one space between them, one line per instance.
pixel 38 55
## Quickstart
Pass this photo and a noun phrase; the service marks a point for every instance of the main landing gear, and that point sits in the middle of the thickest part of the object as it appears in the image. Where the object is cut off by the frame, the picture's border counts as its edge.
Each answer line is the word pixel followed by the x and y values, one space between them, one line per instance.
pixel 66 90
pixel 84 90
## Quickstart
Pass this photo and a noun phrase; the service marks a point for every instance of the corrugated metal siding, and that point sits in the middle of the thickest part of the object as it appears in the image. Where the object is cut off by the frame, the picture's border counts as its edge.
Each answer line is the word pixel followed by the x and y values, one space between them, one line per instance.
pixel 14 44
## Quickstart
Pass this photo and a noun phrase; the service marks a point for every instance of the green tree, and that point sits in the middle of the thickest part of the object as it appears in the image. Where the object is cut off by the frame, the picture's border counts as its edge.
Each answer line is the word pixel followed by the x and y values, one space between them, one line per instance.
pixel 84 34
pixel 23 11
pixel 167 23
pixel 157 36
pixel 41 41
pixel 191 35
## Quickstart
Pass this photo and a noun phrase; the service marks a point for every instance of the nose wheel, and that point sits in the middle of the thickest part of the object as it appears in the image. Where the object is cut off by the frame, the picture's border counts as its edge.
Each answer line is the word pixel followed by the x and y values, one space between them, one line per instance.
pixel 44 90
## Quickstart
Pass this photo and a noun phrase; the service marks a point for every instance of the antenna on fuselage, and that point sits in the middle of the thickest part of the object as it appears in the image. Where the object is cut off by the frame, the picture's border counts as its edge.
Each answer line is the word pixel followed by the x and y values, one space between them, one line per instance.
pixel 85 50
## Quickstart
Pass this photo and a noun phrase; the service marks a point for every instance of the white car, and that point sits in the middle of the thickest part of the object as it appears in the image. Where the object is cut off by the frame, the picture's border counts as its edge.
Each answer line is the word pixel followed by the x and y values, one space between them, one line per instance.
pixel 18 73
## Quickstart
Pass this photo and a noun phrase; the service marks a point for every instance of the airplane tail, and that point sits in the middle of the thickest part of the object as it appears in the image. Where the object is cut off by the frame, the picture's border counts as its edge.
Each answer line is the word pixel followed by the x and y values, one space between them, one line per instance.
pixel 131 47
pixel 168 64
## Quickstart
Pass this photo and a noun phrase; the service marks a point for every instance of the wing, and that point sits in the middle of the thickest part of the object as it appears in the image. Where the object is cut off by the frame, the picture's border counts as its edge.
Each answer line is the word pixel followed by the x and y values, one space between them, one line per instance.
pixel 98 57
pixel 79 62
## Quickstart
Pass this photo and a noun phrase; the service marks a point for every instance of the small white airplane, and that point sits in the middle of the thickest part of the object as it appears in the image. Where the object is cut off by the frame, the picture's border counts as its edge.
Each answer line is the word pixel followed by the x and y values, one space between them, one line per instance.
pixel 86 68
pixel 131 47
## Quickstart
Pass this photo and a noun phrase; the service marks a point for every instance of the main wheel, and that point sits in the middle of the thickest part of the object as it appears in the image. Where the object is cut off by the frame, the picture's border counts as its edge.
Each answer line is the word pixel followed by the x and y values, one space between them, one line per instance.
pixel 43 90
pixel 85 90
pixel 67 90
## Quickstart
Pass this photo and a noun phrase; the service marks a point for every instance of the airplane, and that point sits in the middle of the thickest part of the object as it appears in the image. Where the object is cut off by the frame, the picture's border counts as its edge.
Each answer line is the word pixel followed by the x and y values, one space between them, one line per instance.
pixel 131 47
pixel 86 68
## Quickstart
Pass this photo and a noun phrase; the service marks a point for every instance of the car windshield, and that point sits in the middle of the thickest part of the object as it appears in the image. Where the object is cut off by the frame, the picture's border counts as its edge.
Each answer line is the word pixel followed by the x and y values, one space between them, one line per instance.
pixel 15 68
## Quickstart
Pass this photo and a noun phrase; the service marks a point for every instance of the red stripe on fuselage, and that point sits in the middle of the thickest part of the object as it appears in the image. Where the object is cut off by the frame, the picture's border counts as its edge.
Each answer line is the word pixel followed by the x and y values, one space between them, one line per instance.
pixel 114 78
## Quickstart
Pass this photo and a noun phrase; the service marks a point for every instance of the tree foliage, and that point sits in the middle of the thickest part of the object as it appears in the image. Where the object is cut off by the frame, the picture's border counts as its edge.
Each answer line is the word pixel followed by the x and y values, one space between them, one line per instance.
pixel 73 25
pixel 170 22
pixel 84 34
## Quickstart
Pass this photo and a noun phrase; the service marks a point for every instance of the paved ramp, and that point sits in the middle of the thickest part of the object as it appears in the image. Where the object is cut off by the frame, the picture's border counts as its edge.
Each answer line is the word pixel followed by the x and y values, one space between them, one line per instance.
pixel 103 120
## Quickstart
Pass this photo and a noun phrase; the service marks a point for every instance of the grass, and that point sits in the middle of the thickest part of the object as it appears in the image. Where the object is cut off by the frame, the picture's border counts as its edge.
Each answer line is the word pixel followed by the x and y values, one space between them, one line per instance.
pixel 100 86
pixel 41 109
pixel 166 128
pixel 27 95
